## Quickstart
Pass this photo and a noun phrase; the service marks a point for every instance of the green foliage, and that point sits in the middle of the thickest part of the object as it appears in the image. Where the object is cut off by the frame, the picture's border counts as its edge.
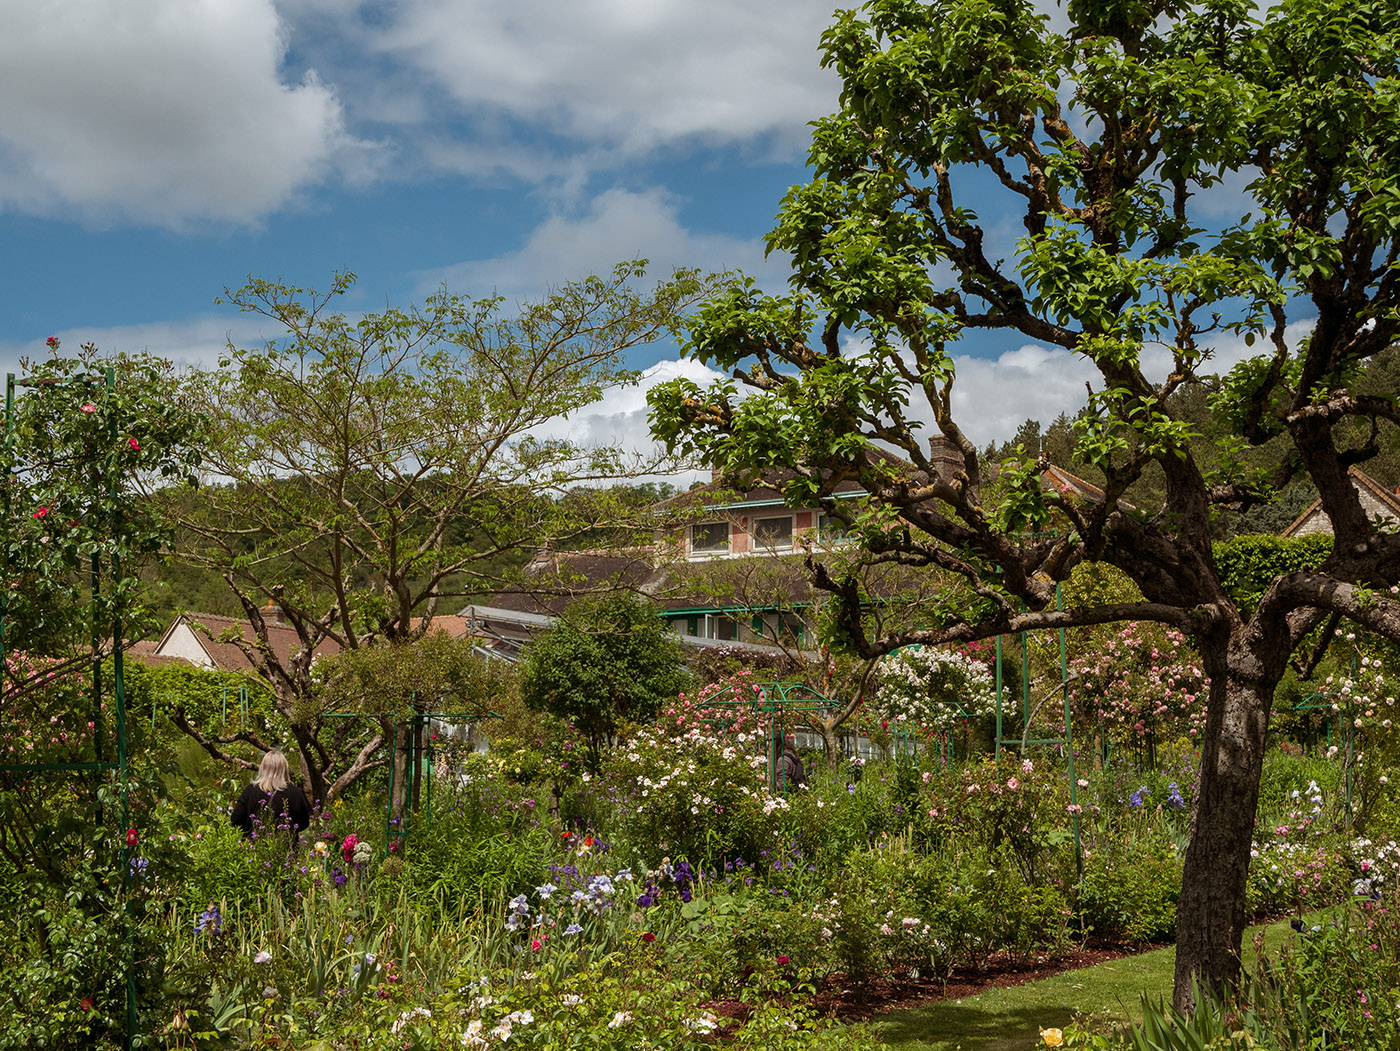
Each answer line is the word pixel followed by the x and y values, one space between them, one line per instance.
pixel 482 847
pixel 211 700
pixel 435 673
pixel 82 451
pixel 1333 985
pixel 1130 890
pixel 369 467
pixel 606 661
pixel 1250 564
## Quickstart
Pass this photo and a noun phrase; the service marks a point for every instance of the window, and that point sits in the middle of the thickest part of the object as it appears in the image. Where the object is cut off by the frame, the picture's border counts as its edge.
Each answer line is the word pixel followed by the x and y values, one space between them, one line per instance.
pixel 831 529
pixel 709 536
pixel 773 532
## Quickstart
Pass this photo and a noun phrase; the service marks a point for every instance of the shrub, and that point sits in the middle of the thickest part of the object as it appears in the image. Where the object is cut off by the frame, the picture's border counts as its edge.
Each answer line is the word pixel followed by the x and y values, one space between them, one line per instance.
pixel 1130 889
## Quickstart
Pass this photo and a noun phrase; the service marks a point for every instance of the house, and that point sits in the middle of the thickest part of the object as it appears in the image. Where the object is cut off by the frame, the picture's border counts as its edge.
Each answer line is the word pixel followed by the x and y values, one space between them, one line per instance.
pixel 213 648
pixel 1376 501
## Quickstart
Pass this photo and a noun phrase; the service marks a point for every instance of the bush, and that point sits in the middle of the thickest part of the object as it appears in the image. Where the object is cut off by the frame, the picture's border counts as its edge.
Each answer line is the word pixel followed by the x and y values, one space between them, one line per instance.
pixel 1130 890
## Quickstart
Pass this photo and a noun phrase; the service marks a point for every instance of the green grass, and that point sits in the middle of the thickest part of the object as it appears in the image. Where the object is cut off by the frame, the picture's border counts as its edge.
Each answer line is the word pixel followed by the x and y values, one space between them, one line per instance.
pixel 1005 1019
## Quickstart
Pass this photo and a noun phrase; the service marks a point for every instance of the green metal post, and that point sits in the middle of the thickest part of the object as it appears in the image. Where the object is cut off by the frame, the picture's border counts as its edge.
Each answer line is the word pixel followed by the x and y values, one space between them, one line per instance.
pixel 1069 751
pixel 997 754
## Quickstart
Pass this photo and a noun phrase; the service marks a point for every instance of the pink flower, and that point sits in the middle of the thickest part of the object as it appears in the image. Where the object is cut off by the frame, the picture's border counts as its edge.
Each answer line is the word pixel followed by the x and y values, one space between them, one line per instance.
pixel 89 407
pixel 133 443
pixel 51 342
pixel 43 512
pixel 536 945
pixel 348 846
pixel 1013 784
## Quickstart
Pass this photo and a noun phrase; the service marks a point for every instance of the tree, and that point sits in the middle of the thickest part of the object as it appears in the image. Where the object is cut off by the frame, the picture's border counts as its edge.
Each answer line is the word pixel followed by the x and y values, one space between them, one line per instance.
pixel 607 660
pixel 1102 142
pixel 366 469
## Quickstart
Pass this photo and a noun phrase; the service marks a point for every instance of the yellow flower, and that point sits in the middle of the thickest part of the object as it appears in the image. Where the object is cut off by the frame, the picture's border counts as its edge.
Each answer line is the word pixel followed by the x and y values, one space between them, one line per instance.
pixel 1052 1037
pixel 320 846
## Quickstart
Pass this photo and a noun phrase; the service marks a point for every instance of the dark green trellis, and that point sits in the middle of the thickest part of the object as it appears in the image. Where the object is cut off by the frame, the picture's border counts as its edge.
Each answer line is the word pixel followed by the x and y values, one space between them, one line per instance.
pixel 775 699
pixel 418 757
pixel 1323 701
pixel 101 764
pixel 1025 741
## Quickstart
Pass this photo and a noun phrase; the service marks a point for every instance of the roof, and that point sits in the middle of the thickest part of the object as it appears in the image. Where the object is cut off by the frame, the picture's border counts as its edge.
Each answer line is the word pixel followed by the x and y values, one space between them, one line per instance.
pixel 1365 484
pixel 225 655
pixel 715 494
pixel 557 578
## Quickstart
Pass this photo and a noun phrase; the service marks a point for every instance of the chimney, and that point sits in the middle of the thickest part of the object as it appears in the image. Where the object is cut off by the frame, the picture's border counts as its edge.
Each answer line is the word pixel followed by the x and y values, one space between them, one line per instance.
pixel 272 613
pixel 947 458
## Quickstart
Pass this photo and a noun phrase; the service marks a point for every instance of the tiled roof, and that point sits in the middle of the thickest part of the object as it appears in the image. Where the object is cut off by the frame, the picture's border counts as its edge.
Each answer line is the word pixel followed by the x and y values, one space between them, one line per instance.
pixel 282 638
pixel 716 494
pixel 559 577
pixel 1361 480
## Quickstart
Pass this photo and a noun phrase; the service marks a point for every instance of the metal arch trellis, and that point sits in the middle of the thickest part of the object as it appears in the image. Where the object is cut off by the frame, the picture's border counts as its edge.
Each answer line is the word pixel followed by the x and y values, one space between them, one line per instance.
pixel 1027 714
pixel 1327 701
pixel 101 764
pixel 776 699
pixel 418 756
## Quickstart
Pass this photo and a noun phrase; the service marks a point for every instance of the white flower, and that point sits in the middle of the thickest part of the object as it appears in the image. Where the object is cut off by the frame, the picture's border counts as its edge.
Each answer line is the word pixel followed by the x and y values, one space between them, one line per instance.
pixel 263 957
pixel 502 1031
pixel 408 1016
pixel 570 1000
pixel 521 1017
pixel 706 1023
pixel 472 1037
pixel 620 1019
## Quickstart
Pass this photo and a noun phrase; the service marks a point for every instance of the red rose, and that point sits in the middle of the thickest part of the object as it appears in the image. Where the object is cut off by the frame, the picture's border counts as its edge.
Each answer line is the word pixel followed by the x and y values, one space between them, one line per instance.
pixel 648 937
pixel 783 961
pixel 86 1002
pixel 131 838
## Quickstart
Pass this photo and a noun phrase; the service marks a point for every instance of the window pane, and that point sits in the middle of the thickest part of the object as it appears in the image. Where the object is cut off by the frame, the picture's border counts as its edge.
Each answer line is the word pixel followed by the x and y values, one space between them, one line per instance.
pixel 709 536
pixel 773 532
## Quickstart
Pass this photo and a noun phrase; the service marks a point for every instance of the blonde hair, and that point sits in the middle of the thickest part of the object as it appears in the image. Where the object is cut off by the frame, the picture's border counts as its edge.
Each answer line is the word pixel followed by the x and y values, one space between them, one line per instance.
pixel 273 773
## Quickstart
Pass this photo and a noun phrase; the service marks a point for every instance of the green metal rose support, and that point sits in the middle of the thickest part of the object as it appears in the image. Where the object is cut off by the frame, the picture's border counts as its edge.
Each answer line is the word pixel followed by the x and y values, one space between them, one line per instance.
pixel 112 629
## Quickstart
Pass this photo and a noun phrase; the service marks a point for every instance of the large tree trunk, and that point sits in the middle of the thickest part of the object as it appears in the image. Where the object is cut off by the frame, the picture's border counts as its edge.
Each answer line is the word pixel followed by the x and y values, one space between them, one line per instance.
pixel 1212 913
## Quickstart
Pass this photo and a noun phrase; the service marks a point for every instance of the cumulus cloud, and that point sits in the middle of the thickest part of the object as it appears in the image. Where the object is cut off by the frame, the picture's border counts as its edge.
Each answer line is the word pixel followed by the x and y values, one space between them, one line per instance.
pixel 161 111
pixel 634 74
pixel 615 226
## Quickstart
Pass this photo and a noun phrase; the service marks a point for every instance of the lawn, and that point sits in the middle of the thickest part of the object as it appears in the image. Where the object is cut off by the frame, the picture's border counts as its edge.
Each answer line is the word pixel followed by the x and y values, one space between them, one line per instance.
pixel 1012 1018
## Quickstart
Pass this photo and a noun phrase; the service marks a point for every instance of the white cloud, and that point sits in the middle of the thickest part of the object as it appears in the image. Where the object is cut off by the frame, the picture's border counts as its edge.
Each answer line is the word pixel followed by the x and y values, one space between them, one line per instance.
pixel 994 396
pixel 192 342
pixel 161 111
pixel 617 225
pixel 633 74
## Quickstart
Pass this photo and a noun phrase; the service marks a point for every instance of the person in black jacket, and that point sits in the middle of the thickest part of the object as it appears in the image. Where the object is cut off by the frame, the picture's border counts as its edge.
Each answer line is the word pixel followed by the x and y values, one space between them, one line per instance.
pixel 273 799
pixel 790 772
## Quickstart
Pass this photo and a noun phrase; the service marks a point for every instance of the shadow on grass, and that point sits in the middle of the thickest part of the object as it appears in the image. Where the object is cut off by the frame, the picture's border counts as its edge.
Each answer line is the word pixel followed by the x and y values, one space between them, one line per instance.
pixel 969 1026
pixel 1009 1018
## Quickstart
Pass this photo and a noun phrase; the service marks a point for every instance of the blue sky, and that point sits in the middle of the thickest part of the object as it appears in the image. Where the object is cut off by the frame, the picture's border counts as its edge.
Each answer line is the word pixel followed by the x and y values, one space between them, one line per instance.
pixel 153 152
